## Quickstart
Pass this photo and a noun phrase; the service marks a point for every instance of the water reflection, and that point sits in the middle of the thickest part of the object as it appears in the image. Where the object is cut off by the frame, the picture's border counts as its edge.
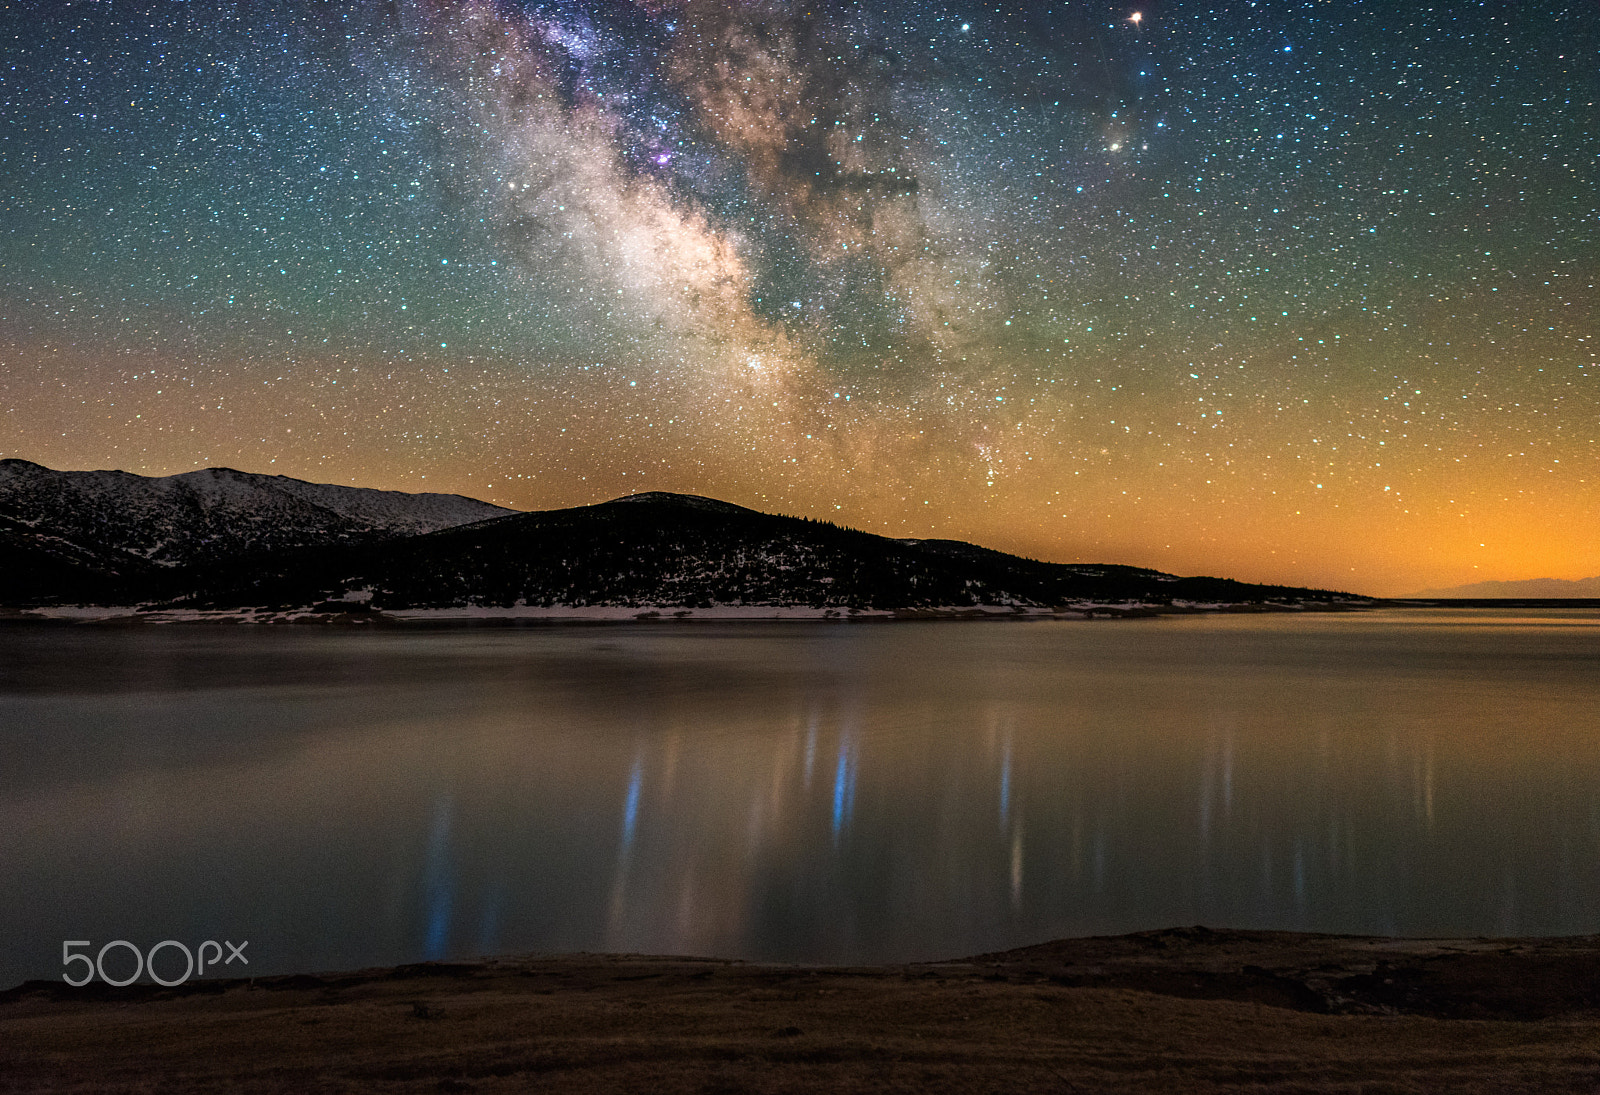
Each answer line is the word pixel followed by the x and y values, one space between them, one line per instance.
pixel 438 872
pixel 805 792
pixel 844 785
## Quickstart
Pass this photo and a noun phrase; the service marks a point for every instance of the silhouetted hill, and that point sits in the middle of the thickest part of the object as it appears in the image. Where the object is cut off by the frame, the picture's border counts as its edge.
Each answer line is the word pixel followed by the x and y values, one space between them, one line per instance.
pixel 663 550
pixel 225 539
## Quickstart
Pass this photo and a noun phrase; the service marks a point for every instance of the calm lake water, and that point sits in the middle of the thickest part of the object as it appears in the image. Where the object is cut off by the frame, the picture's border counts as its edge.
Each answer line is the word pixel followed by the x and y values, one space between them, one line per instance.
pixel 800 791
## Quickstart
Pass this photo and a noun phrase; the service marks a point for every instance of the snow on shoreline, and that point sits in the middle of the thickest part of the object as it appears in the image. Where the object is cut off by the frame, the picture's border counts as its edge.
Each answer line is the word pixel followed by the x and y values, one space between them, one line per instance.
pixel 470 614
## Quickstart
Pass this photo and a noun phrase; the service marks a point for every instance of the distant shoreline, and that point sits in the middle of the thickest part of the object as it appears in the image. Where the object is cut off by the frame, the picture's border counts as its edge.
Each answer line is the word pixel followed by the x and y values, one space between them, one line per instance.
pixel 526 616
pixel 360 615
pixel 1490 602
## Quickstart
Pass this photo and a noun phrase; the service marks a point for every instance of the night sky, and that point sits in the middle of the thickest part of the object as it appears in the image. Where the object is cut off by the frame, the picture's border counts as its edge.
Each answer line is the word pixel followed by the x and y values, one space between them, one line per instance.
pixel 1298 292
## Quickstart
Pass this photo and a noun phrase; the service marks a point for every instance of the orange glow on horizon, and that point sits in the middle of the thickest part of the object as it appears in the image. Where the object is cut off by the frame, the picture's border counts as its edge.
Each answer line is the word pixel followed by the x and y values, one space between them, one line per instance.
pixel 1049 484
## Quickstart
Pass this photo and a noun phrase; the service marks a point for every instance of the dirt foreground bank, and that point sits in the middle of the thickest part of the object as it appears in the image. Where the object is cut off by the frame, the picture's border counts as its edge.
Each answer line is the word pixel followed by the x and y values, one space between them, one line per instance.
pixel 1172 1011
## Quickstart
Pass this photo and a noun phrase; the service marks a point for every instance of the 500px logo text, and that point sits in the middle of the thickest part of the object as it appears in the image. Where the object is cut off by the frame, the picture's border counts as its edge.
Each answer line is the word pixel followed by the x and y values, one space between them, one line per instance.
pixel 145 961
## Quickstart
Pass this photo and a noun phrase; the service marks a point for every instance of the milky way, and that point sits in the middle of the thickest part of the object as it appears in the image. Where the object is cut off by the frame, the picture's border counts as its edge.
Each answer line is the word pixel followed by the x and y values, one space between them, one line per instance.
pixel 1294 291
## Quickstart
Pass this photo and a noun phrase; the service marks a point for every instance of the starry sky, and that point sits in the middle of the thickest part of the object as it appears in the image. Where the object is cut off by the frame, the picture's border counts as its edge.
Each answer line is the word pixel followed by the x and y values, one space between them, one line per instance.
pixel 1299 292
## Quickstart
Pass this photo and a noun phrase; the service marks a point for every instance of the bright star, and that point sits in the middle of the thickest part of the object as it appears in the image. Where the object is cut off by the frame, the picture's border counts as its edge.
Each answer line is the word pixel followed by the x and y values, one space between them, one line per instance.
pixel 1136 17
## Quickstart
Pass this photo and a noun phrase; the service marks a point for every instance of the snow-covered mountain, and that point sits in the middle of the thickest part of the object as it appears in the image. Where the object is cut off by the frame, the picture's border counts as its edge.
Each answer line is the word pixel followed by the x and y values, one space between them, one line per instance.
pixel 210 515
pixel 223 539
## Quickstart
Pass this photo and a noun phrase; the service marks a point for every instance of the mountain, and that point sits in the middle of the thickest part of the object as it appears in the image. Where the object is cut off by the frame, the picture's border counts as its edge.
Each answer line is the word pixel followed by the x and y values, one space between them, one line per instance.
pixel 1535 588
pixel 215 513
pixel 671 550
pixel 223 539
pixel 111 535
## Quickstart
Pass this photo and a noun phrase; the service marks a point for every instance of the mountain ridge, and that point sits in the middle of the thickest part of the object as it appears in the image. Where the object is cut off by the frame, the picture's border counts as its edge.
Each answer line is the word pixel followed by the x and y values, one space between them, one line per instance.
pixel 115 535
pixel 1551 588
pixel 220 539
pixel 661 550
pixel 176 520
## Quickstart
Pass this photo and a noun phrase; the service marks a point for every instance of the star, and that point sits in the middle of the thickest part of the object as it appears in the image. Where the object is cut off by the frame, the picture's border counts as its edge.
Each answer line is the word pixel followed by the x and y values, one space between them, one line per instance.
pixel 1171 282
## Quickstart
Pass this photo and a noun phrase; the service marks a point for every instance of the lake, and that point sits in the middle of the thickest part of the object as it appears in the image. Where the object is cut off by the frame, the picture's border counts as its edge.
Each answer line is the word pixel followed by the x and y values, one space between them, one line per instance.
pixel 812 792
